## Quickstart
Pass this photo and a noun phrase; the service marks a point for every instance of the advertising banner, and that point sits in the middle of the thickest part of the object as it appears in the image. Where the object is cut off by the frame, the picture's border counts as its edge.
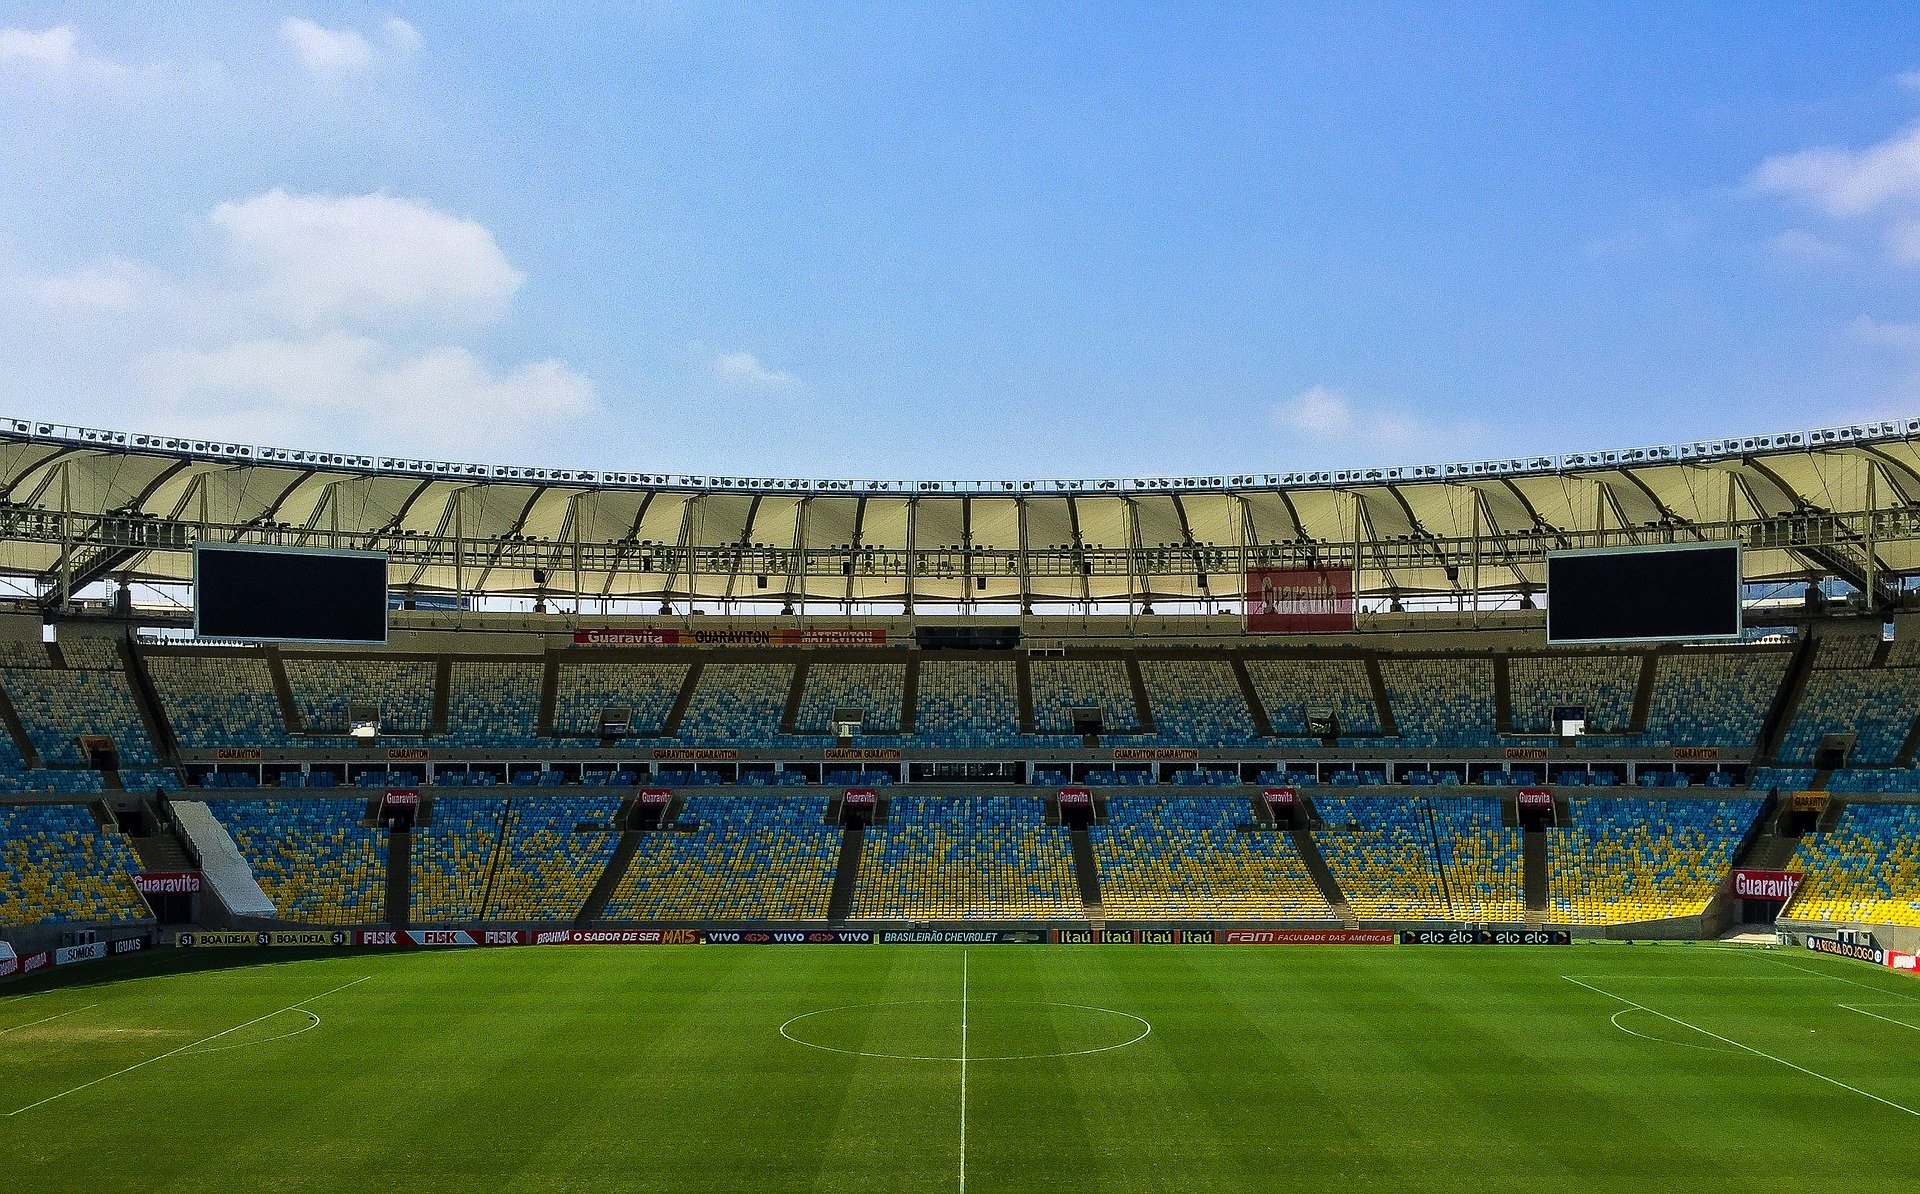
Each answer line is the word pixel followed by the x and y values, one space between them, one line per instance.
pixel 1807 802
pixel 1281 797
pixel 1524 754
pixel 1076 797
pixel 1846 949
pixel 1696 754
pixel 861 754
pixel 1305 936
pixel 408 754
pixel 9 966
pixel 230 938
pixel 1485 937
pixel 1535 798
pixel 674 637
pixel 33 962
pixel 128 945
pixel 1155 754
pixel 1774 887
pixel 69 954
pixel 694 754
pixel 616 937
pixel 787 937
pixel 237 754
pixel 167 883
pixel 656 796
pixel 403 796
pixel 962 937
pixel 860 797
pixel 1299 600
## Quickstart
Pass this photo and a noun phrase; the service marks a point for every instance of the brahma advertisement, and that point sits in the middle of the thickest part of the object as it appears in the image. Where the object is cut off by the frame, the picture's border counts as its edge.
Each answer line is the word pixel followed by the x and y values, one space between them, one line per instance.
pixel 1299 601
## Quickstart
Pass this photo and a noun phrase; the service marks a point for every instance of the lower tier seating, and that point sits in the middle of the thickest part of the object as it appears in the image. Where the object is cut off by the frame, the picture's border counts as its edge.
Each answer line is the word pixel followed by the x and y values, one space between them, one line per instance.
pixel 1625 860
pixel 982 858
pixel 312 858
pixel 1184 857
pixel 556 849
pixel 58 867
pixel 749 858
pixel 1866 869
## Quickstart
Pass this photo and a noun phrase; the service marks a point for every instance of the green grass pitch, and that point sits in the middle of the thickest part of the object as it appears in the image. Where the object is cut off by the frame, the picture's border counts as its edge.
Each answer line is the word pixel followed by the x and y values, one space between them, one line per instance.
pixel 1087 1068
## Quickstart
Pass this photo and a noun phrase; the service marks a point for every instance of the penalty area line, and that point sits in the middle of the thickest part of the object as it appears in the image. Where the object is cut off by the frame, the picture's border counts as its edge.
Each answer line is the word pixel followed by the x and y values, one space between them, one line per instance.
pixel 44 1019
pixel 1876 1015
pixel 1745 1048
pixel 182 1049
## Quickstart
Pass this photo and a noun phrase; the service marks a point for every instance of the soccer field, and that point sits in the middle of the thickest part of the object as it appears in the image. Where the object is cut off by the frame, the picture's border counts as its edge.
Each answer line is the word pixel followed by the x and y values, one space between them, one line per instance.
pixel 938 1068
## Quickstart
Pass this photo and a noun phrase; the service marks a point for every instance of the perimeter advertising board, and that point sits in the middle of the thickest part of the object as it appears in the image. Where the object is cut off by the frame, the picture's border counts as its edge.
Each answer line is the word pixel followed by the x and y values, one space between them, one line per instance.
pixel 1299 601
pixel 674 637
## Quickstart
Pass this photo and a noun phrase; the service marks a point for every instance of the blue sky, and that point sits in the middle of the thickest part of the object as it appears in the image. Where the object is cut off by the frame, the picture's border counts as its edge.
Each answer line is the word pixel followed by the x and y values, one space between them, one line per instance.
pixel 969 240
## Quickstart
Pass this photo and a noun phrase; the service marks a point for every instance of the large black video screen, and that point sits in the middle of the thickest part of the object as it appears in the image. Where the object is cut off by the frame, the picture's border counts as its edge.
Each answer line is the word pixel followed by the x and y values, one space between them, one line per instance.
pixel 1644 594
pixel 277 595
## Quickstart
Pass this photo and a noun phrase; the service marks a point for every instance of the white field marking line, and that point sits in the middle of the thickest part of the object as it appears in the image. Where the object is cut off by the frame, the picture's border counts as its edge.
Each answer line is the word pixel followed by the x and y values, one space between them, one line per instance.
pixel 1889 1019
pixel 44 1019
pixel 313 1017
pixel 963 1071
pixel 1146 1030
pixel 1838 978
pixel 182 1049
pixel 1615 1021
pixel 1747 1048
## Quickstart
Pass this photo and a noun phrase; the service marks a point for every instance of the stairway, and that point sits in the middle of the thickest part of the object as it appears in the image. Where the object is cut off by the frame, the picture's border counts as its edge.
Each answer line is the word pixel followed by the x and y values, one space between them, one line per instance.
pixel 1086 874
pixel 1323 877
pixel 609 881
pixel 399 878
pixel 1534 877
pixel 846 873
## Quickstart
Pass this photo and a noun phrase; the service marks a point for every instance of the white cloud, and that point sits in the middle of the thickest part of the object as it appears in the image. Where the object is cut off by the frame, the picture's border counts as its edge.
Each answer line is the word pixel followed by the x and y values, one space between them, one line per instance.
pixel 327 53
pixel 1329 415
pixel 114 285
pixel 1903 337
pixel 1802 245
pixel 313 389
pixel 318 258
pixel 745 369
pixel 1909 79
pixel 1844 182
pixel 400 35
pixel 51 52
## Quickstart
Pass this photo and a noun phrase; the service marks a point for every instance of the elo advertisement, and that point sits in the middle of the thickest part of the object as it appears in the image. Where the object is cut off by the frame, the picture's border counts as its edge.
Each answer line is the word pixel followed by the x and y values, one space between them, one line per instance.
pixel 1644 594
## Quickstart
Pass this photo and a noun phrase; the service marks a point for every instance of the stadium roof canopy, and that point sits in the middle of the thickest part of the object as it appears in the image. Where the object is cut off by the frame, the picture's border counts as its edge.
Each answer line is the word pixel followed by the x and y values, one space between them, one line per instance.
pixel 79 505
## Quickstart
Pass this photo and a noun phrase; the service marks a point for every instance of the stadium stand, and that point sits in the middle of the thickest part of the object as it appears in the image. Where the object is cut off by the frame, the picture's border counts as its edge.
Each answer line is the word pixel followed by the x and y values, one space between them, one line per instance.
pixel 1062 685
pixel 549 865
pixel 647 690
pixel 1169 857
pixel 957 858
pixel 58 705
pixel 453 858
pixel 1482 861
pixel 1290 688
pixel 219 700
pixel 968 704
pixel 1865 870
pixel 325 688
pixel 737 704
pixel 1878 705
pixel 1442 702
pixel 1383 853
pixel 1712 698
pixel 1625 859
pixel 1198 703
pixel 312 857
pixel 876 689
pixel 494 703
pixel 750 858
pixel 57 866
pixel 1603 684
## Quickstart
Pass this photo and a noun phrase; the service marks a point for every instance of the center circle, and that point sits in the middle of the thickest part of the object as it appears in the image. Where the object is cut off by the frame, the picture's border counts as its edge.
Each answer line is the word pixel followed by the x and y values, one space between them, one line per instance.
pixel 970 1030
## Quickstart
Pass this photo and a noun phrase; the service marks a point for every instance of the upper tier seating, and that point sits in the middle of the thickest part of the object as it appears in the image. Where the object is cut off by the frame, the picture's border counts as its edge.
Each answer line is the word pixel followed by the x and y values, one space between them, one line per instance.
pixel 1712 698
pixel 1198 703
pixel 219 700
pixel 1603 684
pixel 325 688
pixel 752 858
pixel 494 703
pixel 1624 860
pixel 1866 870
pixel 549 865
pixel 966 858
pixel 1290 688
pixel 312 857
pixel 58 866
pixel 648 690
pixel 968 703
pixel 737 703
pixel 1877 705
pixel 876 689
pixel 1063 685
pixel 57 706
pixel 1446 702
pixel 1173 857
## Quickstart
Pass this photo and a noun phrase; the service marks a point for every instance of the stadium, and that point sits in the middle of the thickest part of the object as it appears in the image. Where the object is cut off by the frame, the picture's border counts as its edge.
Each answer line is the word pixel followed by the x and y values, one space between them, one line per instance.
pixel 405 821
pixel 959 598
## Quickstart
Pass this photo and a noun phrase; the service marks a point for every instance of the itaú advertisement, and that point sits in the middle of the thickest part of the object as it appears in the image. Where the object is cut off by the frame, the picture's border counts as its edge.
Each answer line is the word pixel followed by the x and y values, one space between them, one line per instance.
pixel 1299 600
pixel 1773 887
